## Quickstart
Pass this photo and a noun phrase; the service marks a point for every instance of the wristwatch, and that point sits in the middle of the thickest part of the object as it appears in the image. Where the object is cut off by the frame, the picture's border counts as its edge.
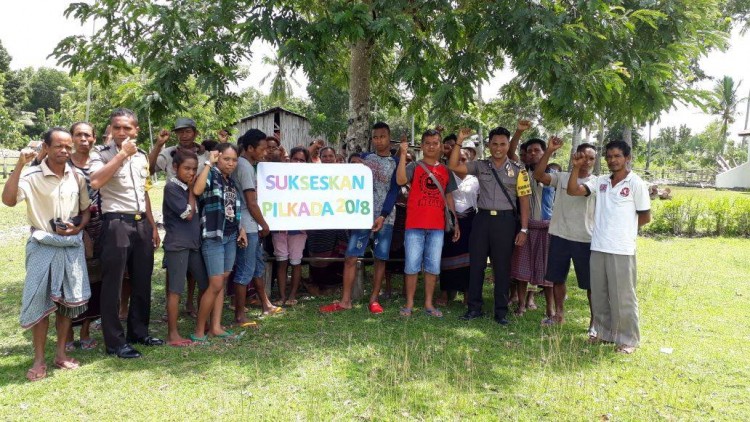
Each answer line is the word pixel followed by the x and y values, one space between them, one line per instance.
pixel 208 163
pixel 524 230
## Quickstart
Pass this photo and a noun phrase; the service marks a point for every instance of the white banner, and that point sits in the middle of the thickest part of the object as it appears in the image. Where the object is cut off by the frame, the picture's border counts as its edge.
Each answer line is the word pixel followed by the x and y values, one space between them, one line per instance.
pixel 298 196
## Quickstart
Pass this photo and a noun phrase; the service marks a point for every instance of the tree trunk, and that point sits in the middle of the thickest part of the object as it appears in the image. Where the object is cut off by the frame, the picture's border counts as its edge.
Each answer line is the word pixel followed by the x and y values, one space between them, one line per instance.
pixel 648 148
pixel 627 134
pixel 358 132
pixel 574 144
pixel 599 148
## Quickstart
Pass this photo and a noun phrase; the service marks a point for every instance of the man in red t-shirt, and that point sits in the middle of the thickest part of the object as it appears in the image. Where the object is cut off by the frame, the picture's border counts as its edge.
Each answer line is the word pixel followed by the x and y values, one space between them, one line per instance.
pixel 425 218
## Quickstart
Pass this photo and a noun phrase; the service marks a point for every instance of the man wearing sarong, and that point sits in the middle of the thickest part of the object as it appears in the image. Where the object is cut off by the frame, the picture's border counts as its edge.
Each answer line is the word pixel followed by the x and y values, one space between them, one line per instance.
pixel 57 209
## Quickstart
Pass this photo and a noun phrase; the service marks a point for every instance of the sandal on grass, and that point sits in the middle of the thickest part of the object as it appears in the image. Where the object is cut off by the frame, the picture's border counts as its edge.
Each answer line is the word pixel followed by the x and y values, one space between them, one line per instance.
pixel 434 312
pixel 181 343
pixel 198 339
pixel 273 311
pixel 70 346
pixel 88 344
pixel 548 322
pixel 226 335
pixel 405 311
pixel 69 363
pixel 247 324
pixel 626 350
pixel 36 373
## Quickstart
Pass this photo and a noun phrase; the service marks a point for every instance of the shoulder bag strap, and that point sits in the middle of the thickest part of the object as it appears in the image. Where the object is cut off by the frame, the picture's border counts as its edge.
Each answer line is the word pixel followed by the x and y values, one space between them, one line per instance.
pixel 434 179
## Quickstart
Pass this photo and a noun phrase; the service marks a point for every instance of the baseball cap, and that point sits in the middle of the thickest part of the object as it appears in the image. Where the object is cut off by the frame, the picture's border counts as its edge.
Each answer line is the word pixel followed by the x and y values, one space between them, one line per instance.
pixel 184 122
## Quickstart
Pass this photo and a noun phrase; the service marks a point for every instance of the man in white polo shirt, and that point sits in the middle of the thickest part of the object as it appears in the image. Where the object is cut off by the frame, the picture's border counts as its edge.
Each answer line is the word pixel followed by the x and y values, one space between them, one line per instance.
pixel 622 206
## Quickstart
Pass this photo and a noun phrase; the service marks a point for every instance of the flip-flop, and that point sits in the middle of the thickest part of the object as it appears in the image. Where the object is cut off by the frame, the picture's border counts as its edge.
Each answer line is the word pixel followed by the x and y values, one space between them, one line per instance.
pixel 36 374
pixel 70 346
pixel 626 350
pixel 548 322
pixel 199 340
pixel 88 344
pixel 181 343
pixel 247 324
pixel 406 312
pixel 273 311
pixel 290 302
pixel 190 313
pixel 332 307
pixel 434 312
pixel 67 364
pixel 226 335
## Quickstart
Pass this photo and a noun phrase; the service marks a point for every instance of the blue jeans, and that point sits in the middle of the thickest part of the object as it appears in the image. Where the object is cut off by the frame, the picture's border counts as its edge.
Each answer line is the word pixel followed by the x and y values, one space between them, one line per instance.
pixel 423 249
pixel 219 254
pixel 249 263
pixel 381 245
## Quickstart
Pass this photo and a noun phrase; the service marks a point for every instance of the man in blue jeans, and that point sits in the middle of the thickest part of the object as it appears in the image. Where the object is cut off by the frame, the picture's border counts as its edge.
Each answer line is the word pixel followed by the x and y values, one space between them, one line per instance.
pixel 425 218
pixel 385 191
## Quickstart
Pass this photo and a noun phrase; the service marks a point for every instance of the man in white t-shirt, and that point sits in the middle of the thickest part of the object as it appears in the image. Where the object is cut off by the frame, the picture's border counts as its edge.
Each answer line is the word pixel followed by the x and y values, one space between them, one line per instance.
pixel 570 229
pixel 622 206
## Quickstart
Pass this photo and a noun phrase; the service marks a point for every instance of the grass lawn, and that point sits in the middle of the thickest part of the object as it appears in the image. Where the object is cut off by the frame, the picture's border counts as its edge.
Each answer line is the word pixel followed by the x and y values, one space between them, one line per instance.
pixel 304 365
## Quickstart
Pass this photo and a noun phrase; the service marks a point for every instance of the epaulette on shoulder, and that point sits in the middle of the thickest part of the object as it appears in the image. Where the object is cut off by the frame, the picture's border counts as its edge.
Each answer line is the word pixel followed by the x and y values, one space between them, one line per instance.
pixel 101 148
pixel 516 163
pixel 142 151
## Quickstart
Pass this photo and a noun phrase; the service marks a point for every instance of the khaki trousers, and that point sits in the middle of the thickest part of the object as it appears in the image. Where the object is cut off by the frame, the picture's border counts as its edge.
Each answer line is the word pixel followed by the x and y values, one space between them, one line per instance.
pixel 613 300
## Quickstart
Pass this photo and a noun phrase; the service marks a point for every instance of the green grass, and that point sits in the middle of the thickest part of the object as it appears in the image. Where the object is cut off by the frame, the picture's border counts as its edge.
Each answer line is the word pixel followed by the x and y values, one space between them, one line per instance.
pixel 304 365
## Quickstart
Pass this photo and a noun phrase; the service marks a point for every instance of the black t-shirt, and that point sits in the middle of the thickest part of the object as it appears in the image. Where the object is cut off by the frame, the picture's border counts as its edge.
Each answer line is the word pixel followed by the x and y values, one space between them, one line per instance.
pixel 181 233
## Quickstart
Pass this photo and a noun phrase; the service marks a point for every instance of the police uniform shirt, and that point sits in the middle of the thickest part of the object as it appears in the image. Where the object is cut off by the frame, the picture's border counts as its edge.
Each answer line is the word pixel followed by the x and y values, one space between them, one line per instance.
pixel 125 192
pixel 164 161
pixel 491 196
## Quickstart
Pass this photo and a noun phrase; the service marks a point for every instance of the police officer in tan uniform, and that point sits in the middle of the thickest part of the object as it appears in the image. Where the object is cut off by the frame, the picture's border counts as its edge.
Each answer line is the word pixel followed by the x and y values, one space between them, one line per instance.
pixel 129 236
pixel 493 232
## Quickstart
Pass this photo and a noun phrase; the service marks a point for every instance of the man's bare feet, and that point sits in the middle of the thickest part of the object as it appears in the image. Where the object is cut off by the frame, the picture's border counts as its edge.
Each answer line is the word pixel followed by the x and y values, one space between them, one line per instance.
pixel 66 363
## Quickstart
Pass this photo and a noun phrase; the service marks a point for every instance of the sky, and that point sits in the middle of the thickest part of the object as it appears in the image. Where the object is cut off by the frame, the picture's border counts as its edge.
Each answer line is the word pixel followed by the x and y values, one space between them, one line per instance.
pixel 49 26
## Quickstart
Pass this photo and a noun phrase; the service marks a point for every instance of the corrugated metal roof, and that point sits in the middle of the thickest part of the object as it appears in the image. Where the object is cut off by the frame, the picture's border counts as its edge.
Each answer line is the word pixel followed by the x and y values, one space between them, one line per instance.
pixel 269 111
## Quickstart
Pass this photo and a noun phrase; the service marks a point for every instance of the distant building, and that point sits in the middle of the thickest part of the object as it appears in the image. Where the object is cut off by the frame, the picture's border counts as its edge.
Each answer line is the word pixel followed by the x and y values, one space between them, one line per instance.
pixel 738 177
pixel 291 128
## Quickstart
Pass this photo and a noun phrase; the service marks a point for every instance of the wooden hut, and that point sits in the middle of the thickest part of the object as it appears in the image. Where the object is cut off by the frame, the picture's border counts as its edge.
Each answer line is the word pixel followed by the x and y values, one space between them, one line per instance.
pixel 291 128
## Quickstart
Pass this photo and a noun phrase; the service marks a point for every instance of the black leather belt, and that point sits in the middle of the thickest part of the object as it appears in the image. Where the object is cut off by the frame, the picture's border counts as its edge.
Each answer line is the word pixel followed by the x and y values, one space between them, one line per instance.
pixel 495 212
pixel 125 217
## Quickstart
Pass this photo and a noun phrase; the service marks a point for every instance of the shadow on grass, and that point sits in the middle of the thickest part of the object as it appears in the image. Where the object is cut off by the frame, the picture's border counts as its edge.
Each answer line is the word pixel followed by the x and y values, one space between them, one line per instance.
pixel 372 351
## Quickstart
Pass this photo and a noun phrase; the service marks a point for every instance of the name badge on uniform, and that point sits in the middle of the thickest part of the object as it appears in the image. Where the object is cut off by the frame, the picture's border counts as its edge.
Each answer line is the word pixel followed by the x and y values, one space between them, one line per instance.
pixel 509 170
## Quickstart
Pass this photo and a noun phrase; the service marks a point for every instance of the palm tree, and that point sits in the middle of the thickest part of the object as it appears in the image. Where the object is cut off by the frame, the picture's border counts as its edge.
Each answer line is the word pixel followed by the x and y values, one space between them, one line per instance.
pixel 281 79
pixel 724 103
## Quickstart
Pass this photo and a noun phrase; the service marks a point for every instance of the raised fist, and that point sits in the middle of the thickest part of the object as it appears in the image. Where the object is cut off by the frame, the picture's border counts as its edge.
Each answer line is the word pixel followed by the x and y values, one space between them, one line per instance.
pixel 523 125
pixel 128 147
pixel 162 138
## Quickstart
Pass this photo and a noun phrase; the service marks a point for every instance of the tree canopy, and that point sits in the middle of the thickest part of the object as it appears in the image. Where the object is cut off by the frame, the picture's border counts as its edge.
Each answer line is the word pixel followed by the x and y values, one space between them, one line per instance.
pixel 623 60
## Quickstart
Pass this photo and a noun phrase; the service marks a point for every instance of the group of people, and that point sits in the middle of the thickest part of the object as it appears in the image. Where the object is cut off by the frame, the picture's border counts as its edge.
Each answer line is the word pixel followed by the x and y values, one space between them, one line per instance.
pixel 93 233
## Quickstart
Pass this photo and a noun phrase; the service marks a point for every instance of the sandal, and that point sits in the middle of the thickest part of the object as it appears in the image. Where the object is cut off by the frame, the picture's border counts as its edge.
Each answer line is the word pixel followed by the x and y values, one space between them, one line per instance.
pixel 36 373
pixel 333 307
pixel 70 346
pixel 434 312
pixel 70 363
pixel 181 343
pixel 247 324
pixel 626 350
pixel 226 335
pixel 190 312
pixel 199 340
pixel 548 322
pixel 273 311
pixel 405 312
pixel 88 344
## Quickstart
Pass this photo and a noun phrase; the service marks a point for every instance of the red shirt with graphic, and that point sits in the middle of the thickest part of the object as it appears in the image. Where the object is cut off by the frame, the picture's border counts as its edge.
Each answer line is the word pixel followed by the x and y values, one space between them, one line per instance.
pixel 424 208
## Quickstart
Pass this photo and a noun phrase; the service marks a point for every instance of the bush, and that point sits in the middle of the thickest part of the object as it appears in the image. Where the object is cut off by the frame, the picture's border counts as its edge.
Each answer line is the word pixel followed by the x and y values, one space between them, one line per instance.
pixel 693 216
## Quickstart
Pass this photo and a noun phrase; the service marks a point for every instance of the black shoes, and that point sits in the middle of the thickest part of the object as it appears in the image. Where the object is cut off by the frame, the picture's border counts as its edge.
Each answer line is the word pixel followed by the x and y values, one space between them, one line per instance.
pixel 149 341
pixel 469 315
pixel 125 351
pixel 501 321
